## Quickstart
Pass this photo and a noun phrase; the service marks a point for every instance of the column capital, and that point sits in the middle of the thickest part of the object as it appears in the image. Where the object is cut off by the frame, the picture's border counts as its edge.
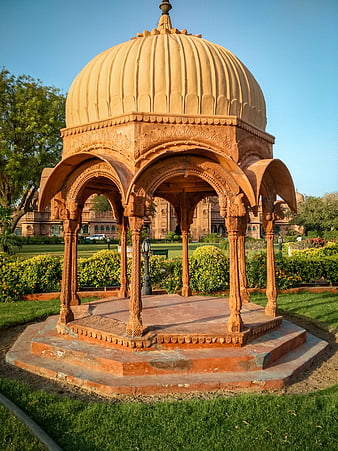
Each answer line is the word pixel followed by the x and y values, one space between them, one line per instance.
pixel 136 223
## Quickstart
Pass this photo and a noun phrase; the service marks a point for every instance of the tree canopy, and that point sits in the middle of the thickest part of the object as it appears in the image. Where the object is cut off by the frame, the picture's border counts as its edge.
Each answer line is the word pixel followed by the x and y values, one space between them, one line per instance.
pixel 318 214
pixel 100 204
pixel 31 116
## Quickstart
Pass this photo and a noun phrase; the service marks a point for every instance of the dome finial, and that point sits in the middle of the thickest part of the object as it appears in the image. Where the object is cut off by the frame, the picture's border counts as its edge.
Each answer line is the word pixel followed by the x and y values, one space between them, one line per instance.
pixel 165 6
pixel 165 22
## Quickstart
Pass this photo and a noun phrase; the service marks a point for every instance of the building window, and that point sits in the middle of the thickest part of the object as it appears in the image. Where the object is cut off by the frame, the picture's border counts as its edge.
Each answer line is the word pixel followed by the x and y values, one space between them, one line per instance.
pixel 96 228
pixel 107 229
pixel 102 228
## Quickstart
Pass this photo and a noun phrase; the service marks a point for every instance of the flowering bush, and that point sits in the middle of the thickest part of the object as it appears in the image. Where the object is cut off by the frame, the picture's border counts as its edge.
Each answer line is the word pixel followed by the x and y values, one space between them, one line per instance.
pixel 316 242
pixel 41 274
pixel 209 270
pixel 256 271
pixel 165 273
pixel 100 270
pixel 329 249
pixel 286 275
pixel 10 284
pixel 285 280
pixel 37 274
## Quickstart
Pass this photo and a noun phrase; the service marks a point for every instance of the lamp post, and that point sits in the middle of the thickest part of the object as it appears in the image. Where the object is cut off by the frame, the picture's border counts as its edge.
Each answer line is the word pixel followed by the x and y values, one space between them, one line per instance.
pixel 145 249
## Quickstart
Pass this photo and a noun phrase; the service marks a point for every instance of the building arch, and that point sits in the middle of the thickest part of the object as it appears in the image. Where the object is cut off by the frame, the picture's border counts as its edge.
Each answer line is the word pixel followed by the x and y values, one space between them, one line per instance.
pixel 53 181
pixel 225 178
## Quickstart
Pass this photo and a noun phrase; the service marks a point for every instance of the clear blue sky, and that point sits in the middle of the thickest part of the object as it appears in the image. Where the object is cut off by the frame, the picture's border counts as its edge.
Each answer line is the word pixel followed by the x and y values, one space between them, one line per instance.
pixel 291 47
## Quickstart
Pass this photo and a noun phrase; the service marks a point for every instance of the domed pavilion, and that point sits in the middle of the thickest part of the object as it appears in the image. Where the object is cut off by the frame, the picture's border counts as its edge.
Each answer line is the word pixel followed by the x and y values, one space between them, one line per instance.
pixel 167 114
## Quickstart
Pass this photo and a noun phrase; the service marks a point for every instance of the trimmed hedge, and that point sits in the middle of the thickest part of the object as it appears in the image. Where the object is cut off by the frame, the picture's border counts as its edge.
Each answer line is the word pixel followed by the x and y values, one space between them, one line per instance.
pixel 39 274
pixel 100 270
pixel 209 271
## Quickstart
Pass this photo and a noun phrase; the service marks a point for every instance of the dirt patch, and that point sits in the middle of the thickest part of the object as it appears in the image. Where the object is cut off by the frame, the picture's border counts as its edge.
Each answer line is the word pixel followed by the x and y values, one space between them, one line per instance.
pixel 322 373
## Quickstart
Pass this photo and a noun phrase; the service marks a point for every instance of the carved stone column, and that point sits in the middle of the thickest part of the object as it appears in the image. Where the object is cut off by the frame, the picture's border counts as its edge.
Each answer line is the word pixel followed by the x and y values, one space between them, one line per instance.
pixel 69 286
pixel 235 210
pixel 235 323
pixel 242 224
pixel 185 214
pixel 69 213
pixel 186 290
pixel 271 289
pixel 271 211
pixel 123 267
pixel 134 327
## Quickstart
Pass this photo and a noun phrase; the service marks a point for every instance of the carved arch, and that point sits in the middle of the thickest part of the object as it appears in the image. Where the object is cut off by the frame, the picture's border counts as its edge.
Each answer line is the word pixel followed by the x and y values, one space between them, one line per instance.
pixel 273 177
pixel 251 148
pixel 53 180
pixel 80 177
pixel 225 177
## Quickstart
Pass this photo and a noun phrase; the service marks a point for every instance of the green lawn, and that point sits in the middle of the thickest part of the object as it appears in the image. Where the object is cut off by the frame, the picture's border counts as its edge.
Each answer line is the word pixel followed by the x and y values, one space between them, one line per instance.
pixel 248 421
pixel 86 250
pixel 13 313
pixel 321 308
pixel 245 422
pixel 14 435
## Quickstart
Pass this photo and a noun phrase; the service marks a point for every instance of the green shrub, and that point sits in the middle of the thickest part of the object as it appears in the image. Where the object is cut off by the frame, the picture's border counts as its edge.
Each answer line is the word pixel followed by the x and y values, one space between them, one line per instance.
pixel 209 270
pixel 287 275
pixel 100 270
pixel 41 274
pixel 329 249
pixel 312 267
pixel 254 243
pixel 211 238
pixel 11 287
pixel 40 240
pixel 256 270
pixel 166 274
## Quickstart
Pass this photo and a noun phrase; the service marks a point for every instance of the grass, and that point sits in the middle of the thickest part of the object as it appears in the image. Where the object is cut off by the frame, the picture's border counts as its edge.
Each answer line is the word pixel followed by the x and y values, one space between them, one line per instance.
pixel 87 250
pixel 14 435
pixel 84 250
pixel 321 308
pixel 14 313
pixel 247 421
pixel 253 422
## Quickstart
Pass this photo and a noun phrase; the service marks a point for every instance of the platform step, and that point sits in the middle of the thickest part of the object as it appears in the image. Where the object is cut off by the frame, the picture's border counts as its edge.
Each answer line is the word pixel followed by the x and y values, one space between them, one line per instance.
pixel 259 354
pixel 277 374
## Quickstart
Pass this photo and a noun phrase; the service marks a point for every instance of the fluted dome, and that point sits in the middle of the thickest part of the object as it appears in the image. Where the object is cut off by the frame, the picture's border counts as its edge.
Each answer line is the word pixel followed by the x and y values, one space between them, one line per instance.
pixel 165 71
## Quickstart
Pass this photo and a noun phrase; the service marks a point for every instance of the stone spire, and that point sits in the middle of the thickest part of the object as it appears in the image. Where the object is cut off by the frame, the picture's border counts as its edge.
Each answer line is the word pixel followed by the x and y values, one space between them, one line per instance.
pixel 165 22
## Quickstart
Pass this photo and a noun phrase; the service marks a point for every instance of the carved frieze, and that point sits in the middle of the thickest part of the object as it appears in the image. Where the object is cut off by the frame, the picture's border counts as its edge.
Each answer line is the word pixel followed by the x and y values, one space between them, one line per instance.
pixel 208 136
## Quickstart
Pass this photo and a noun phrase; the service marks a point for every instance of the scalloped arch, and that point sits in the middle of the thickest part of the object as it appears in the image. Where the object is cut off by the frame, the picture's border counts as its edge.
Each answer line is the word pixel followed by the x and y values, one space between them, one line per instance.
pixel 225 178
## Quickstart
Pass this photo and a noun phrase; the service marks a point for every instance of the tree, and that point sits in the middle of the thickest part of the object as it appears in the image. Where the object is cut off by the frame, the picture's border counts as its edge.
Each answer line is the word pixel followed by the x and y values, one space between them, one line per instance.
pixel 8 239
pixel 318 214
pixel 31 116
pixel 101 204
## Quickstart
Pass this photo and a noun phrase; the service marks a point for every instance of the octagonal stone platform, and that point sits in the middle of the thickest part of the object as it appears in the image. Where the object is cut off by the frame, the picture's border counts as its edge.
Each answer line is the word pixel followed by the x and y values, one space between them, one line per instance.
pixel 185 347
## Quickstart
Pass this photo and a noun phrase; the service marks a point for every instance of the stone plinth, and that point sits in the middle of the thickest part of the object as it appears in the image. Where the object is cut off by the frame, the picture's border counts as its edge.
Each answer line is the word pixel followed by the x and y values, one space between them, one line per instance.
pixel 185 349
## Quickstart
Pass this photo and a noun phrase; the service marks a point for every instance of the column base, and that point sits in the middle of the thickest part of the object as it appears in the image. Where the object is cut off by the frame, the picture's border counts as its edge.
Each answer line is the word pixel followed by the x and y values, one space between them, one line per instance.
pixel 123 293
pixel 245 297
pixel 186 291
pixel 235 323
pixel 75 299
pixel 271 309
pixel 66 315
pixel 134 327
pixel 271 306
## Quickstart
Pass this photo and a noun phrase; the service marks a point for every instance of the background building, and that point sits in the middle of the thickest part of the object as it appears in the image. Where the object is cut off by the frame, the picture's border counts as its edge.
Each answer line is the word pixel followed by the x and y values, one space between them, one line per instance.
pixel 207 219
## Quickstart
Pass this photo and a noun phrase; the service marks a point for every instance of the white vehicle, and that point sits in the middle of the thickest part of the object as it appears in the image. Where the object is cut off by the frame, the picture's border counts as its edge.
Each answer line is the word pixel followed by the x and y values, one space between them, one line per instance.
pixel 98 236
